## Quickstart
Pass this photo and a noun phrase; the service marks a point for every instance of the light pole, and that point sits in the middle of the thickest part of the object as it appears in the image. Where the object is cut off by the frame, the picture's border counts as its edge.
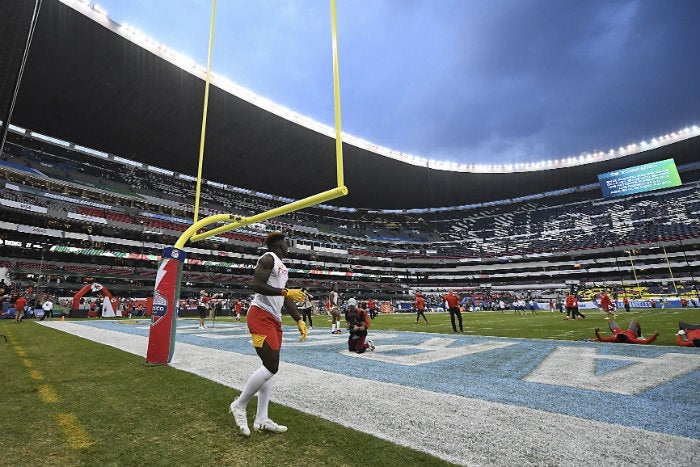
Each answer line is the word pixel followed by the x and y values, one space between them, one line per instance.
pixel 668 263
pixel 634 271
pixel 619 272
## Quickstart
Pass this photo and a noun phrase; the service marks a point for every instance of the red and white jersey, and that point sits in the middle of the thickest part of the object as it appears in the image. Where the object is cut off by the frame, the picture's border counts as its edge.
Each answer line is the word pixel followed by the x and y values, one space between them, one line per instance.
pixel 278 279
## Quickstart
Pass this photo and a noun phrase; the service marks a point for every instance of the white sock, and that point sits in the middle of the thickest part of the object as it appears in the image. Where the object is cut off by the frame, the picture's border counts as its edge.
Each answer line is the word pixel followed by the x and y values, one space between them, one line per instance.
pixel 263 400
pixel 253 385
pixel 333 327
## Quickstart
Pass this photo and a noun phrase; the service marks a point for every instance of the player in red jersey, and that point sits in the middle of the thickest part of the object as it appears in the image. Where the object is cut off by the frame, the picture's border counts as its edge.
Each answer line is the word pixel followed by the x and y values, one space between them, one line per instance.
pixel 372 308
pixel 633 334
pixel 689 335
pixel 452 304
pixel 420 308
pixel 357 322
pixel 20 305
pixel 238 309
pixel 607 306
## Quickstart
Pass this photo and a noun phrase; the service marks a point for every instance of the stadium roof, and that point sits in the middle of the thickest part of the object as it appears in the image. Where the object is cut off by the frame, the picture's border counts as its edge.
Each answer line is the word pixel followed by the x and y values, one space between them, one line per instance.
pixel 87 84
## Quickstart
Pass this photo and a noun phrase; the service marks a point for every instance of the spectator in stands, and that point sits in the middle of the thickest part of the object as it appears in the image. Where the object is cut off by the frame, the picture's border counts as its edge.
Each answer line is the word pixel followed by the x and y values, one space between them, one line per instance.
pixel 357 323
pixel 20 305
pixel 633 334
pixel 689 334
pixel 420 308
pixel 452 305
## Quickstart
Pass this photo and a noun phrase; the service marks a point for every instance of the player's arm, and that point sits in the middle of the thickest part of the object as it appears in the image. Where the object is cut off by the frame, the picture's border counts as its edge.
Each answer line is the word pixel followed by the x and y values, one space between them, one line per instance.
pixel 262 274
pixel 649 340
pixel 603 339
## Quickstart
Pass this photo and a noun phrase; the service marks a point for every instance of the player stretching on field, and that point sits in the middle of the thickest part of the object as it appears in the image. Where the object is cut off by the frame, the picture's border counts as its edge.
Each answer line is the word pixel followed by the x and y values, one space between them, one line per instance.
pixel 335 310
pixel 633 334
pixel 265 325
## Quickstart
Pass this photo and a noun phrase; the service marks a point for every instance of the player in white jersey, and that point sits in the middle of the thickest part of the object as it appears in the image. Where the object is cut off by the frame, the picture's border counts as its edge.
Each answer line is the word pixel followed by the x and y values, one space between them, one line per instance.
pixel 335 310
pixel 264 321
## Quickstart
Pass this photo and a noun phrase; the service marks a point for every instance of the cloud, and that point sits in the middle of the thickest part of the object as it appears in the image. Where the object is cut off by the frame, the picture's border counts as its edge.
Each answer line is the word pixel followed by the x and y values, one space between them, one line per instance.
pixel 473 81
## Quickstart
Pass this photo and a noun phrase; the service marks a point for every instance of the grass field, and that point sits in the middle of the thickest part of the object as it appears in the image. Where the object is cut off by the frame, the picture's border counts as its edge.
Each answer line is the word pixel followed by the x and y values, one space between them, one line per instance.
pixel 543 325
pixel 71 401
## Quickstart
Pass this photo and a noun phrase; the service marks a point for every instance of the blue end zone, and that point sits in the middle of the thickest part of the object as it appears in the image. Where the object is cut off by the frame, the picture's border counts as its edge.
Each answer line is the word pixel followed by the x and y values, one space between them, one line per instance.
pixel 498 369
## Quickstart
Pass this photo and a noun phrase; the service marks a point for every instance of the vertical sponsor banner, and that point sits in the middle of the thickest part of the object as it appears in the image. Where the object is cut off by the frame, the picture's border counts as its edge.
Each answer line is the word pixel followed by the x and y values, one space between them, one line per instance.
pixel 161 338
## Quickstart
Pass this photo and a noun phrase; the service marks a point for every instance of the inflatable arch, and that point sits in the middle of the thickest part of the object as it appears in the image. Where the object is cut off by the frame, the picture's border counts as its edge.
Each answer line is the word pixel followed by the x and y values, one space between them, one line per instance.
pixel 94 287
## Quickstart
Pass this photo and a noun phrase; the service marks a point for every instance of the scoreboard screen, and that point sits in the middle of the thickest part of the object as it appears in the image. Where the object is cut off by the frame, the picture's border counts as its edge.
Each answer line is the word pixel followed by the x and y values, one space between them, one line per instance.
pixel 639 179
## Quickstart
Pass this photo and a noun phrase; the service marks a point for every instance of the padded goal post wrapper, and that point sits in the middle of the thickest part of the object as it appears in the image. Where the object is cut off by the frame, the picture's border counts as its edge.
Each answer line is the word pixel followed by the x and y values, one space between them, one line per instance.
pixel 166 295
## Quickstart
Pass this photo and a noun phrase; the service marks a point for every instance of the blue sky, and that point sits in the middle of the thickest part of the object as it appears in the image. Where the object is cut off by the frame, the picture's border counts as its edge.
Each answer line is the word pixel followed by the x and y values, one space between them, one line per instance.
pixel 469 81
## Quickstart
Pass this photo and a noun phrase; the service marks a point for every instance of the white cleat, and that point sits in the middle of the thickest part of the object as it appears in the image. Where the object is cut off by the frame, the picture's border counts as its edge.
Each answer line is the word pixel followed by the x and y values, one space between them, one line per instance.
pixel 239 415
pixel 371 345
pixel 268 425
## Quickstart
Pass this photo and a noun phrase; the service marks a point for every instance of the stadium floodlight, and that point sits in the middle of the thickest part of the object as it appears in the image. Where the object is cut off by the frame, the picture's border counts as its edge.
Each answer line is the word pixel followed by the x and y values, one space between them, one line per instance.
pixel 91 151
pixel 50 139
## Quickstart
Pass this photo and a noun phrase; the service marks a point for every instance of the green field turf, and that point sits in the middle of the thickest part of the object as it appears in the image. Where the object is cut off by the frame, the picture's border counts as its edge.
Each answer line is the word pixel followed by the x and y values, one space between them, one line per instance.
pixel 543 325
pixel 68 401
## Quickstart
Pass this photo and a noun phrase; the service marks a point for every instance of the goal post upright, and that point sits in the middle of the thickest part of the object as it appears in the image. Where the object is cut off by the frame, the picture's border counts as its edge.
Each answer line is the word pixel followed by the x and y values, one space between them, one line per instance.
pixel 166 295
